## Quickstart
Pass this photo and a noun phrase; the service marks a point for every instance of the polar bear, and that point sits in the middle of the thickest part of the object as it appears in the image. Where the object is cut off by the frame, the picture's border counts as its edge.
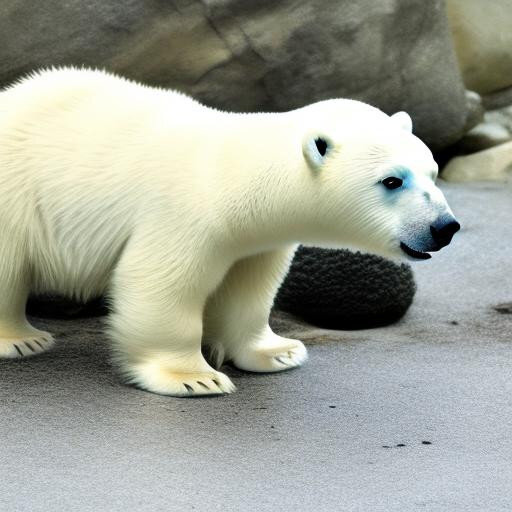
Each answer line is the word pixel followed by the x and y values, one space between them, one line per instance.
pixel 187 217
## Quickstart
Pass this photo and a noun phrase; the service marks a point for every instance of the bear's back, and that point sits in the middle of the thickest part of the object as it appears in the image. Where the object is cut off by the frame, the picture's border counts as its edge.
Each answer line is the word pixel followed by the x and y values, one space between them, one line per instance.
pixel 57 91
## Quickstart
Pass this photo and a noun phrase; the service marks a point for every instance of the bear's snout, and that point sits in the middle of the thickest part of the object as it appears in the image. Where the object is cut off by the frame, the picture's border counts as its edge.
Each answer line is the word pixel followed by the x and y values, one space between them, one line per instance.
pixel 443 230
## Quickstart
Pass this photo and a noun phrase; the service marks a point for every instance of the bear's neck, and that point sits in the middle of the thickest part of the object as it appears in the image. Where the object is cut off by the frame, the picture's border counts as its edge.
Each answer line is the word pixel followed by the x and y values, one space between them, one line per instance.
pixel 264 195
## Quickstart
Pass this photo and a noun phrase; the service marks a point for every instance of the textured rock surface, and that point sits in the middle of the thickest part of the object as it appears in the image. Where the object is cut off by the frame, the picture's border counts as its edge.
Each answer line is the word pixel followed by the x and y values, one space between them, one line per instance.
pixel 483 136
pixel 255 55
pixel 494 129
pixel 491 164
pixel 502 116
pixel 498 99
pixel 475 110
pixel 339 289
pixel 483 38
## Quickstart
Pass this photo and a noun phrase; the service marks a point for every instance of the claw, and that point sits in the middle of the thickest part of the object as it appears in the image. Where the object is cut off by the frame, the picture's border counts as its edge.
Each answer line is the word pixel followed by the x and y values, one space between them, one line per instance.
pixel 30 346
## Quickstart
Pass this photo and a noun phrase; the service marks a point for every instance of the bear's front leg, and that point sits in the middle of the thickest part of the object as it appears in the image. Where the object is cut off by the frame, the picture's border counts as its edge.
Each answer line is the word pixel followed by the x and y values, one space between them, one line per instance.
pixel 236 316
pixel 156 325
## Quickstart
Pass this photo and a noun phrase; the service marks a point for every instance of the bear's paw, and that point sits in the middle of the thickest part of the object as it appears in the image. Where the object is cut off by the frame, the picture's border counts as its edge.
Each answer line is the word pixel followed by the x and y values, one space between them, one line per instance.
pixel 31 343
pixel 176 382
pixel 276 355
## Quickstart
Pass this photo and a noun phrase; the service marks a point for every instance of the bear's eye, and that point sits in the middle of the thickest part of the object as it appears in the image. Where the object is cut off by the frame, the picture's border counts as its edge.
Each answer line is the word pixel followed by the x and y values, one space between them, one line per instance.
pixel 391 183
pixel 321 146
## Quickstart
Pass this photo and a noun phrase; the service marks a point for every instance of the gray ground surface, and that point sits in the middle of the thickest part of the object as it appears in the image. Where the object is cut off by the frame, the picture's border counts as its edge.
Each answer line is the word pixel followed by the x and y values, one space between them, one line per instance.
pixel 74 438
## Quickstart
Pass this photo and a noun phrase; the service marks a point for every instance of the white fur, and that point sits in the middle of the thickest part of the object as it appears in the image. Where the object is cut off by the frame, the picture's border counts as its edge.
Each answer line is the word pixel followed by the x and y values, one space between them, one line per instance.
pixel 403 120
pixel 187 218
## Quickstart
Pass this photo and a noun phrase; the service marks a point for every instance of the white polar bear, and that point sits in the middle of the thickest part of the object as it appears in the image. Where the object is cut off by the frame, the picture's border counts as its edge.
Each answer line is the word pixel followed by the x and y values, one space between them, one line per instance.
pixel 187 218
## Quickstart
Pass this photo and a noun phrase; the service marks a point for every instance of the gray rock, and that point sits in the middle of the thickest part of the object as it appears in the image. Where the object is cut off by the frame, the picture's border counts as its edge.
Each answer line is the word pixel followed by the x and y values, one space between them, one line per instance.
pixel 505 308
pixel 497 99
pixel 341 289
pixel 501 116
pixel 251 56
pixel 495 129
pixel 493 164
pixel 482 39
pixel 483 136
pixel 475 110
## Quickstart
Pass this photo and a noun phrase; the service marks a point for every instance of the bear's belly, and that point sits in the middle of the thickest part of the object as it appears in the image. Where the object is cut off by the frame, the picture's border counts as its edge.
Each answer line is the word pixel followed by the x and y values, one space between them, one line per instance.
pixel 77 278
pixel 78 267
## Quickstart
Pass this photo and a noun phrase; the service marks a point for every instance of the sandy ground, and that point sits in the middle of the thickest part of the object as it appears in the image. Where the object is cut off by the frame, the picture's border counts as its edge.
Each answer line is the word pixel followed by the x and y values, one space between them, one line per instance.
pixel 412 417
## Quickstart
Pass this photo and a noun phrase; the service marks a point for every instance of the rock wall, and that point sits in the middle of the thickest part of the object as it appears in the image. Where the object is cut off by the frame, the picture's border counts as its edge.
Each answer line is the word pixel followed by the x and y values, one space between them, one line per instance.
pixel 250 56
pixel 482 33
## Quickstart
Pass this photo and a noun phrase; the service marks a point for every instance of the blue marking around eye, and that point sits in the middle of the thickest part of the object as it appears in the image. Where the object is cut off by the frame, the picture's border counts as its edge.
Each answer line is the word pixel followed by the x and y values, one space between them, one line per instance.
pixel 405 174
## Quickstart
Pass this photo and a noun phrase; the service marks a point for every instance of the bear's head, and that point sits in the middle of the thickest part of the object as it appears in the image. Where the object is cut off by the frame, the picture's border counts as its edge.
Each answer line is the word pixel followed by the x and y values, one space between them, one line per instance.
pixel 374 181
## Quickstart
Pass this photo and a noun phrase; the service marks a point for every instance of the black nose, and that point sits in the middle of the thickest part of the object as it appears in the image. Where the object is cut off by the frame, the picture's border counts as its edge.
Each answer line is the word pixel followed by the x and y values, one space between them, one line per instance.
pixel 443 235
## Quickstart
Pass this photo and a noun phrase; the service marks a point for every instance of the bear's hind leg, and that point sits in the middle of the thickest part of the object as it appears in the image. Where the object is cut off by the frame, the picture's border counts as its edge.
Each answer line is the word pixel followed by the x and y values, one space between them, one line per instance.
pixel 236 316
pixel 17 337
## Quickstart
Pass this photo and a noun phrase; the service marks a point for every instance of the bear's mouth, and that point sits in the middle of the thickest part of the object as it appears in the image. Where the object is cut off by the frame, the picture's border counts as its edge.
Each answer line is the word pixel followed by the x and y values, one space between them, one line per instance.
pixel 413 253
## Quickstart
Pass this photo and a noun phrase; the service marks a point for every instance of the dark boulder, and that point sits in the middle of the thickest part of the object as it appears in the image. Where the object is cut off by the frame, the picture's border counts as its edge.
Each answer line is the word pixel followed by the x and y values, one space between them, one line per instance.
pixel 340 289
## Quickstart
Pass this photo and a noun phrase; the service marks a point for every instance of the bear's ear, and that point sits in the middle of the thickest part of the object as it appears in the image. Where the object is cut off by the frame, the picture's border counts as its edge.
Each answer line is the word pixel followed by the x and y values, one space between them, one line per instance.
pixel 316 149
pixel 403 120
